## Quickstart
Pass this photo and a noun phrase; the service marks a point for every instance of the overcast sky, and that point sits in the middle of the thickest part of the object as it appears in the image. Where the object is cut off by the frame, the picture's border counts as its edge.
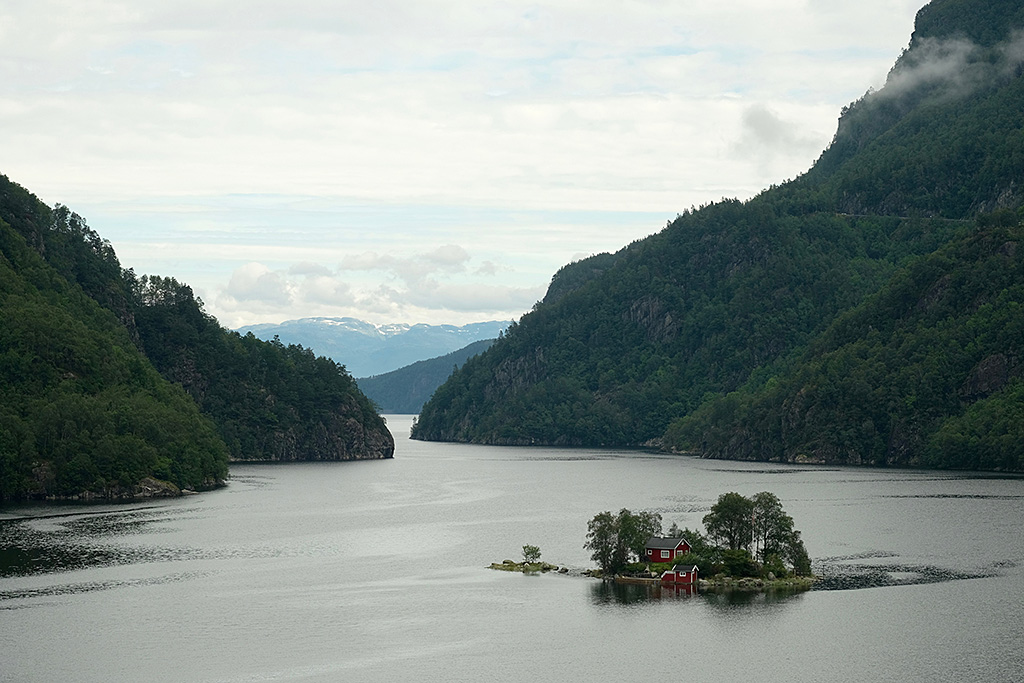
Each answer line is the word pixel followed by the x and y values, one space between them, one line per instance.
pixel 415 161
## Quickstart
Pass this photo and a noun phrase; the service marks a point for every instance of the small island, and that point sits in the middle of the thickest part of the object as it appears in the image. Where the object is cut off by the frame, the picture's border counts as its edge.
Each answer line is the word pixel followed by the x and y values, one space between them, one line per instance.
pixel 532 564
pixel 750 545
pixel 527 567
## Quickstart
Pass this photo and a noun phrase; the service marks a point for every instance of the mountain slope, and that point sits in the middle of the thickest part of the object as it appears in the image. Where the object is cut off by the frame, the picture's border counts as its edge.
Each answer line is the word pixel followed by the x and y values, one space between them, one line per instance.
pixel 269 401
pixel 692 310
pixel 943 136
pixel 733 294
pixel 83 411
pixel 925 372
pixel 404 391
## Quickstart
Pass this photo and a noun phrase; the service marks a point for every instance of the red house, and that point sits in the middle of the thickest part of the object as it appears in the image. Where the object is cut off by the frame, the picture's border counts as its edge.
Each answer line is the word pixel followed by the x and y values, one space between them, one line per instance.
pixel 680 574
pixel 665 549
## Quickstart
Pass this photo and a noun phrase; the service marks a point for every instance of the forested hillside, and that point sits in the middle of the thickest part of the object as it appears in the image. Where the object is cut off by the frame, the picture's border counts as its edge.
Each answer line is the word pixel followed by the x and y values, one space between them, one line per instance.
pixel 925 372
pixel 742 294
pixel 269 401
pixel 83 410
pixel 405 390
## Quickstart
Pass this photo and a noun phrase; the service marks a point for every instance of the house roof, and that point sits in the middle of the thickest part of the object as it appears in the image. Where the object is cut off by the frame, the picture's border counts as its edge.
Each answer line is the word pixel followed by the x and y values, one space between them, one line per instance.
pixel 678 568
pixel 662 543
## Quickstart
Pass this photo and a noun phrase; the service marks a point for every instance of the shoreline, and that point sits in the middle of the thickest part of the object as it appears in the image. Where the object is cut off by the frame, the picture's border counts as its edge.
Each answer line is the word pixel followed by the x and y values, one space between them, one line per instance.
pixel 718 583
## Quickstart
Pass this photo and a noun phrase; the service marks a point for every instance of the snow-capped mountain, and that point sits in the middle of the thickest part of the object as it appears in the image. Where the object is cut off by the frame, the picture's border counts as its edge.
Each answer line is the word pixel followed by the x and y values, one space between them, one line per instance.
pixel 367 349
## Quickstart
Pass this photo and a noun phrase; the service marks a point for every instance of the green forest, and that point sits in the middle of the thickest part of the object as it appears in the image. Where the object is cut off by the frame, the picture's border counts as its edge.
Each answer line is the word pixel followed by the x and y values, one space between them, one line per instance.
pixel 108 379
pixel 866 312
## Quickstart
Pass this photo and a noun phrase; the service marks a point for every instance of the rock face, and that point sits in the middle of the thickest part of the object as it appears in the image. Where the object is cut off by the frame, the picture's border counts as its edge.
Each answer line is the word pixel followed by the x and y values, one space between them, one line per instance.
pixel 988 376
pixel 155 488
pixel 652 315
pixel 340 437
pixel 148 487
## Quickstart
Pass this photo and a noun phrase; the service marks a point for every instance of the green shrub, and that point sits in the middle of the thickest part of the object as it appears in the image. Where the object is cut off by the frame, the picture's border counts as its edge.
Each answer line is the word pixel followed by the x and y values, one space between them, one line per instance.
pixel 739 563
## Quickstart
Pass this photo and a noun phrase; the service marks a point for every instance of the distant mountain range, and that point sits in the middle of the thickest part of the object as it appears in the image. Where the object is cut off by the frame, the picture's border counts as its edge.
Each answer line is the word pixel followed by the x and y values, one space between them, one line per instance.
pixel 405 390
pixel 366 349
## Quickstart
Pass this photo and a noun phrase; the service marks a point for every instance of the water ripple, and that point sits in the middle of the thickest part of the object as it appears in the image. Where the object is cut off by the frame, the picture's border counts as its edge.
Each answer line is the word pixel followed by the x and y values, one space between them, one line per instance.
pixel 87 587
pixel 840 574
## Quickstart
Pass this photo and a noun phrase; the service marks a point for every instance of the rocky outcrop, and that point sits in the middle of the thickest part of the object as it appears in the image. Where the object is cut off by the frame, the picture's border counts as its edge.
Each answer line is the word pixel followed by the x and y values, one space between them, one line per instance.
pixel 515 373
pixel 527 567
pixel 342 436
pixel 987 377
pixel 651 314
pixel 148 487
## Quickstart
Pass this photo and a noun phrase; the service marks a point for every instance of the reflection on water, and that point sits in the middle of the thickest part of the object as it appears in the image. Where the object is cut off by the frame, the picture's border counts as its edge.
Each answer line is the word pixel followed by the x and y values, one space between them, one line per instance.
pixel 610 593
pixel 956 496
pixel 730 599
pixel 607 593
pixel 678 591
pixel 770 470
pixel 28 557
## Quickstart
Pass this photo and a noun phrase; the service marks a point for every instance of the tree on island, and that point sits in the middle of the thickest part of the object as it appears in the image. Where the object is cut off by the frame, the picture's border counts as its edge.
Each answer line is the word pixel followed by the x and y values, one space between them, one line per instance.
pixel 773 528
pixel 797 554
pixel 531 554
pixel 615 540
pixel 759 527
pixel 729 522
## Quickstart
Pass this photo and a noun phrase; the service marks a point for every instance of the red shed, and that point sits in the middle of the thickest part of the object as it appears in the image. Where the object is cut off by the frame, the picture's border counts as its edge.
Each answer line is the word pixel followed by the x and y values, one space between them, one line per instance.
pixel 665 549
pixel 680 574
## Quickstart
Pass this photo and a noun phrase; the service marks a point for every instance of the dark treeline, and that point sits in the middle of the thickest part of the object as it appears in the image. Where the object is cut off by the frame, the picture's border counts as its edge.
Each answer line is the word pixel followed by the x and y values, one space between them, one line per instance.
pixel 729 332
pixel 84 408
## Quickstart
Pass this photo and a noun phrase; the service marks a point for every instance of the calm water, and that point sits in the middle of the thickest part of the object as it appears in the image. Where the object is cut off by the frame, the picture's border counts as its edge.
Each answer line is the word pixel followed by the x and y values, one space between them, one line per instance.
pixel 374 571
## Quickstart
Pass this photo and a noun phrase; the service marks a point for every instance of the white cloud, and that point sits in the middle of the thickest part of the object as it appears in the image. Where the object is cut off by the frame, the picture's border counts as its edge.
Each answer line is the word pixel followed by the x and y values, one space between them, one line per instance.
pixel 762 127
pixel 328 96
pixel 254 282
pixel 935 61
pixel 414 270
pixel 173 114
pixel 448 256
pixel 475 297
pixel 490 268
pixel 323 289
pixel 435 282
pixel 772 140
pixel 369 260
